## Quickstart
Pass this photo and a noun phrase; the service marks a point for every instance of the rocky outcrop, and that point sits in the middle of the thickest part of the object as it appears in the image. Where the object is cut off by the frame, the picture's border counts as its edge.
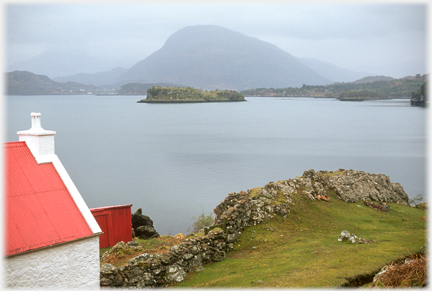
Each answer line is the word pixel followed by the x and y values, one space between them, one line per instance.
pixel 347 236
pixel 353 186
pixel 142 225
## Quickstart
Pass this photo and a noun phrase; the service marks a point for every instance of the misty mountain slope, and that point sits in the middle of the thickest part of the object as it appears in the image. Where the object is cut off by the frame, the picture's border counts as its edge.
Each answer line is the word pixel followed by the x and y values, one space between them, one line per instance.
pixel 332 72
pixel 60 63
pixel 97 79
pixel 371 79
pixel 212 57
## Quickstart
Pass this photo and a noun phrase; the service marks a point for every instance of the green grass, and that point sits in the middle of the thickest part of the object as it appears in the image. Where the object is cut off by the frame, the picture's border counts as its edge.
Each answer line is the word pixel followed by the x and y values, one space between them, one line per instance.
pixel 303 251
pixel 154 245
pixel 102 251
pixel 145 244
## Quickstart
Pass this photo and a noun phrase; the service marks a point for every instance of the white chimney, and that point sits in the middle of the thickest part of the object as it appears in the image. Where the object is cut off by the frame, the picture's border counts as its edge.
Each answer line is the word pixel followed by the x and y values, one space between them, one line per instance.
pixel 39 141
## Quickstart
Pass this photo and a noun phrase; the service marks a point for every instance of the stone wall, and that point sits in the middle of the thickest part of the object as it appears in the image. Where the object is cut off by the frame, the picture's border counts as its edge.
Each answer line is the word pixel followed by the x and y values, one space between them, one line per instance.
pixel 243 209
pixel 169 267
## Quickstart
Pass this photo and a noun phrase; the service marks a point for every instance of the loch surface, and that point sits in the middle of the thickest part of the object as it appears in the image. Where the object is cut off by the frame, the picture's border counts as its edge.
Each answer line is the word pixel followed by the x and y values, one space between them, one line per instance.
pixel 171 159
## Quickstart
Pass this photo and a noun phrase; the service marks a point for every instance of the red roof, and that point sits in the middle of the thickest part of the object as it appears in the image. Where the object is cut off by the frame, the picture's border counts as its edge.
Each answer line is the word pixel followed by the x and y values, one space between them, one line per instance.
pixel 40 211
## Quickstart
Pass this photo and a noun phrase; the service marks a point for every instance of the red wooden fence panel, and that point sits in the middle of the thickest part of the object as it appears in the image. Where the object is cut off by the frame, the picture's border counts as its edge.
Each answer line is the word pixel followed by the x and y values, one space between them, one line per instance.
pixel 115 222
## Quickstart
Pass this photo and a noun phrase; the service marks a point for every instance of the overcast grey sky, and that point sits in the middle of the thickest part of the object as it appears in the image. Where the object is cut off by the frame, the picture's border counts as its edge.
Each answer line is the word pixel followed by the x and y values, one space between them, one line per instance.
pixel 387 39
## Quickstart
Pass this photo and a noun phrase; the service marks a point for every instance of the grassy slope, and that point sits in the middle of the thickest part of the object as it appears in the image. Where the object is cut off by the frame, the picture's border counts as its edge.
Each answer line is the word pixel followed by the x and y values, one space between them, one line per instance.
pixel 302 250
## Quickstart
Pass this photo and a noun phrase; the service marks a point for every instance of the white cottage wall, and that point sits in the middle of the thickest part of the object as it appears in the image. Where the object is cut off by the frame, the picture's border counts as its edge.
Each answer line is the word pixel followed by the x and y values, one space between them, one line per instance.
pixel 70 265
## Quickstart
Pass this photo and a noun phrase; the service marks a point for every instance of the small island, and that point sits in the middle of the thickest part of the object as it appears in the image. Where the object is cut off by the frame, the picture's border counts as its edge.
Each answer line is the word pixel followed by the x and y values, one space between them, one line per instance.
pixel 189 95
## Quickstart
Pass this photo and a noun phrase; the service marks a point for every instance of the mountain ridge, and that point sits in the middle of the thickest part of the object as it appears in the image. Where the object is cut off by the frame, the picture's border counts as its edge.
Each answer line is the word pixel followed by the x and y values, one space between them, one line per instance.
pixel 28 83
pixel 221 59
pixel 108 78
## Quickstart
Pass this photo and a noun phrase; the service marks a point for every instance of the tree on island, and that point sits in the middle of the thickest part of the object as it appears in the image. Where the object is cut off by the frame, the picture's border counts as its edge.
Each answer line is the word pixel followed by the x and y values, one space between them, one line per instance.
pixel 420 96
pixel 189 94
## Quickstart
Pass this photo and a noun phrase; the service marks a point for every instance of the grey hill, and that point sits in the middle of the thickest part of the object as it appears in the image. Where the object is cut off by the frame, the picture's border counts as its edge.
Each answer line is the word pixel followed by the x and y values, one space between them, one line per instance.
pixel 212 57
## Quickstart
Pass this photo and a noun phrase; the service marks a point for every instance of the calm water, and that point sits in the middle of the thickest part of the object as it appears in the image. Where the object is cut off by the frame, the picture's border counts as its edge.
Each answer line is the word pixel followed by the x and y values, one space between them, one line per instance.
pixel 170 159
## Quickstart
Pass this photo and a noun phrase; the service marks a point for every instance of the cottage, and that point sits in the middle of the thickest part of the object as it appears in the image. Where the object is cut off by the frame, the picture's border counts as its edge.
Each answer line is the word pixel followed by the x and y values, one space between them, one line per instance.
pixel 52 238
